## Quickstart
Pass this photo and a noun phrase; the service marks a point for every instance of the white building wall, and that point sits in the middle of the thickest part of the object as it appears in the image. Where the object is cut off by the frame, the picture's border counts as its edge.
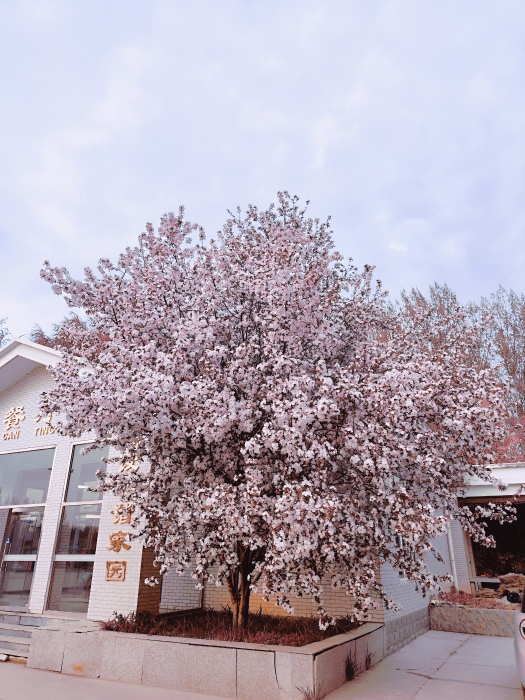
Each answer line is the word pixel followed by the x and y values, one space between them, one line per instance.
pixel 403 592
pixel 26 393
pixel 106 596
pixel 179 593
pixel 412 619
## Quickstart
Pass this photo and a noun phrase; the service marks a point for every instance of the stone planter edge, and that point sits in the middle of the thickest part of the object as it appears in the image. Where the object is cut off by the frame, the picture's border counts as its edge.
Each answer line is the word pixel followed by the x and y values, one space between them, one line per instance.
pixel 232 669
pixel 465 620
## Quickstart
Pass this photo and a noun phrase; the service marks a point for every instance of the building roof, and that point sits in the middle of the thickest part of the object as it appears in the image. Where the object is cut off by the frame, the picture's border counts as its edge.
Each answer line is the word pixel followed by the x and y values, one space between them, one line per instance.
pixel 512 474
pixel 21 356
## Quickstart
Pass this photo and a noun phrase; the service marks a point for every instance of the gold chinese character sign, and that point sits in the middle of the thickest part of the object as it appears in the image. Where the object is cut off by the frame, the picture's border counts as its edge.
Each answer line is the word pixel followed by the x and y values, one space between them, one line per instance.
pixel 130 467
pixel 115 570
pixel 12 419
pixel 122 513
pixel 118 540
pixel 47 428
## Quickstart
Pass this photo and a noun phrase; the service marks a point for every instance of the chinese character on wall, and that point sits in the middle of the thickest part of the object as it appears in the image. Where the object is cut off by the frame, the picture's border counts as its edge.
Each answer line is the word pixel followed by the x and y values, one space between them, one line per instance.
pixel 115 570
pixel 47 419
pixel 118 540
pixel 122 513
pixel 130 467
pixel 45 429
pixel 14 417
pixel 12 420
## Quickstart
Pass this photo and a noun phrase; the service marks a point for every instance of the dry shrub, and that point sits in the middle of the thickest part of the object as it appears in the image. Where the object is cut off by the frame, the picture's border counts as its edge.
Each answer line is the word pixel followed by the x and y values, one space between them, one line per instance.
pixel 309 694
pixel 369 658
pixel 218 624
pixel 472 601
pixel 351 666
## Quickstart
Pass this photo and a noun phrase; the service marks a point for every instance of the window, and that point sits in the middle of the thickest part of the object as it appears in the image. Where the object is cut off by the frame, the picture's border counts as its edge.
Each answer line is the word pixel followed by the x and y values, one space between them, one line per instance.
pixel 78 533
pixel 15 582
pixel 79 529
pixel 24 477
pixel 82 474
pixel 24 527
pixel 398 543
pixel 71 586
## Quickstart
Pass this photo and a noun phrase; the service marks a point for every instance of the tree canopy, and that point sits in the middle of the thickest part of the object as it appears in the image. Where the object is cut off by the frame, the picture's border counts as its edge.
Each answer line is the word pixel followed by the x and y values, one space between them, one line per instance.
pixel 293 423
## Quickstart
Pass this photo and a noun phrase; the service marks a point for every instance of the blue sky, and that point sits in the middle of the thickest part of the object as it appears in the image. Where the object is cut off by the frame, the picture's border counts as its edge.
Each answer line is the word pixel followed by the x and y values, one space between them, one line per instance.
pixel 403 120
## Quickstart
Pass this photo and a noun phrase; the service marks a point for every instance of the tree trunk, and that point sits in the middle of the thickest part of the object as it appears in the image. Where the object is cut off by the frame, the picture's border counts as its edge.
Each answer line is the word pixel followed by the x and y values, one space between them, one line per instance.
pixel 239 588
pixel 244 602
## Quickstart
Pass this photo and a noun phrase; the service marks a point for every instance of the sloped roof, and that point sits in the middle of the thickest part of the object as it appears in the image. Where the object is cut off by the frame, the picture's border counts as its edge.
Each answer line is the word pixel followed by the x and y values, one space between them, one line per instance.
pixel 21 356
pixel 512 474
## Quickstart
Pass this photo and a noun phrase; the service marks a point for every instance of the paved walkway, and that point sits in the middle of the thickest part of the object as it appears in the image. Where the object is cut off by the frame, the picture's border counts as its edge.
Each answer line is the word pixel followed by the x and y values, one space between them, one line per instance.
pixel 441 666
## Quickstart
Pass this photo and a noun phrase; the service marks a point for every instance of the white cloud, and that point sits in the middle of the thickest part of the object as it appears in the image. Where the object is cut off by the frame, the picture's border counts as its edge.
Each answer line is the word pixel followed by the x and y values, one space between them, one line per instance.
pixel 395 245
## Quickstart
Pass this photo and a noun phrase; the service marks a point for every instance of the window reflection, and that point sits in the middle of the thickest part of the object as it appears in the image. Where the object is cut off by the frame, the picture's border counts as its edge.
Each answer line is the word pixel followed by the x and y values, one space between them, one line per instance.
pixel 70 586
pixel 15 582
pixel 24 477
pixel 82 474
pixel 24 528
pixel 79 529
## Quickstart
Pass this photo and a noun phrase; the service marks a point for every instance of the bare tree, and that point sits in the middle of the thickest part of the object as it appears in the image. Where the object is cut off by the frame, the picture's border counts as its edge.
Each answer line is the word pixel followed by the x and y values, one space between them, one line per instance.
pixel 5 335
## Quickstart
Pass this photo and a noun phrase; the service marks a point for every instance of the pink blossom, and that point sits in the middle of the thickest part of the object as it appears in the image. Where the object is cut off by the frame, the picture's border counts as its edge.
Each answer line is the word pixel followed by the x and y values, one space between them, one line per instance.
pixel 291 429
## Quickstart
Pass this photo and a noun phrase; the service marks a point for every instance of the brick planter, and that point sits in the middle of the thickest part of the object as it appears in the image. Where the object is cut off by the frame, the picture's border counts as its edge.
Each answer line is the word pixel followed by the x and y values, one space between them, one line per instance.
pixel 459 618
pixel 231 669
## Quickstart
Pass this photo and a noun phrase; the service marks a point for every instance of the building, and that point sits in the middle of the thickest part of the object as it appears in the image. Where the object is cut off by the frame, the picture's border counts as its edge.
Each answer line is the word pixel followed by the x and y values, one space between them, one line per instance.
pixel 67 549
pixel 509 554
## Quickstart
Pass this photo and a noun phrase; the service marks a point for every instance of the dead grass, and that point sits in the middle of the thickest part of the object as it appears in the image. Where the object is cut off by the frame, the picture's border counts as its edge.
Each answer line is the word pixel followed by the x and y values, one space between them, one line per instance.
pixel 472 601
pixel 217 624
pixel 351 666
pixel 309 694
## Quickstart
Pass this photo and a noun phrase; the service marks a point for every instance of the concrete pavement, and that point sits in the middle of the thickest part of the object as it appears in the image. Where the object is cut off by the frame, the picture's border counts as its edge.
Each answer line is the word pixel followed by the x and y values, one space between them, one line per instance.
pixel 20 683
pixel 441 666
pixel 435 666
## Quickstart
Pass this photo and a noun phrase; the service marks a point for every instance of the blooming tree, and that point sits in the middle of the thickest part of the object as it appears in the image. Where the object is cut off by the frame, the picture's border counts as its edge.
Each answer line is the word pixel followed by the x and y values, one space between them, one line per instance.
pixel 292 428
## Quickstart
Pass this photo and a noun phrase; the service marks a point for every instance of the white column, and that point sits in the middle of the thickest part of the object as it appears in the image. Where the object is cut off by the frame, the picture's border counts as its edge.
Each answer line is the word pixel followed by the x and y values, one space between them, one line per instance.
pixel 46 551
pixel 108 597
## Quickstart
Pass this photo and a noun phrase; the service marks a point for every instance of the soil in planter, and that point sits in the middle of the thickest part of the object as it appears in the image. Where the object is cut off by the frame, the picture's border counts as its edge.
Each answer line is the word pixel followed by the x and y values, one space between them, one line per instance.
pixel 217 624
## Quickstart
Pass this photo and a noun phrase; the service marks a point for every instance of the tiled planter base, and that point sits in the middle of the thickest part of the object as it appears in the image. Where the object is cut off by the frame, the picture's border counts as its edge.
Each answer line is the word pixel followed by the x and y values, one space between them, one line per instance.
pixel 236 670
pixel 452 618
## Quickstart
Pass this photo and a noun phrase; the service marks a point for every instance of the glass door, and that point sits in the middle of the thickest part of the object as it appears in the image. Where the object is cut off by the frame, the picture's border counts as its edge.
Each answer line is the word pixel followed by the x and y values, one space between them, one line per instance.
pixel 24 483
pixel 24 527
